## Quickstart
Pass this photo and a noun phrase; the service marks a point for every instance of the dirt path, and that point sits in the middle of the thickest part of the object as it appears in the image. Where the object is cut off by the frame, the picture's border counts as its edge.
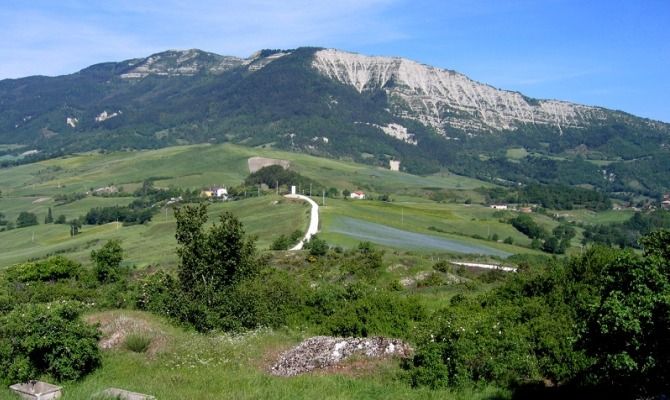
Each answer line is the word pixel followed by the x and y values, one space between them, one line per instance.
pixel 313 220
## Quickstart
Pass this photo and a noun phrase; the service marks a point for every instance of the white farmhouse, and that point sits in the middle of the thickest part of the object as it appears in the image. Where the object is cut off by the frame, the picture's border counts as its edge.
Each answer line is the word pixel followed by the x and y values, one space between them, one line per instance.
pixel 221 193
pixel 357 195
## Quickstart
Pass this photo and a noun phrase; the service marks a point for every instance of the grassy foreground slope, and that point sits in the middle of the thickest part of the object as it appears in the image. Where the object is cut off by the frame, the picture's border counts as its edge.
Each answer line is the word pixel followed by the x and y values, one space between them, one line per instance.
pixel 186 365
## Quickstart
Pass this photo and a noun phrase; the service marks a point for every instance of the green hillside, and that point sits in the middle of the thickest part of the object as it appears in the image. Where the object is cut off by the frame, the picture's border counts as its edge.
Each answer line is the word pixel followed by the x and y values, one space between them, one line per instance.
pixel 37 187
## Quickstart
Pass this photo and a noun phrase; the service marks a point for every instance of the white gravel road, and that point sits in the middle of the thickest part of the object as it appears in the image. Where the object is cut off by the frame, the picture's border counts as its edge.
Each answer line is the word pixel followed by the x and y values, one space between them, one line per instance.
pixel 313 220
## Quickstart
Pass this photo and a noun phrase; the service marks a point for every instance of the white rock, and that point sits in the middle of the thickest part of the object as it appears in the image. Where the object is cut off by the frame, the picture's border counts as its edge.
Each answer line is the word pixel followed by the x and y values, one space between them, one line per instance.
pixel 440 98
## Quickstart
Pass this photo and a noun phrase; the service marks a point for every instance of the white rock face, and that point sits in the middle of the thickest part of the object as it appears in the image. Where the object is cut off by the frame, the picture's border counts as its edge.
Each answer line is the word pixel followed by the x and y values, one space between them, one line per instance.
pixel 256 62
pixel 442 98
pixel 180 63
pixel 399 132
pixel 104 116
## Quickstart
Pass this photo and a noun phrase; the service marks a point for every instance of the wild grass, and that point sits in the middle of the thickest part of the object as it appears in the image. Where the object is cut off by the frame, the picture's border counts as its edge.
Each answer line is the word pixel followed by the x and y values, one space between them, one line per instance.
pixel 234 366
pixel 137 342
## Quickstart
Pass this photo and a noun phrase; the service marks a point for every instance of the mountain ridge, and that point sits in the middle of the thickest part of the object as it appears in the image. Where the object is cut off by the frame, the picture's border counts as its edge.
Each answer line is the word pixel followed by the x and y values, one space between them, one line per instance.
pixel 337 104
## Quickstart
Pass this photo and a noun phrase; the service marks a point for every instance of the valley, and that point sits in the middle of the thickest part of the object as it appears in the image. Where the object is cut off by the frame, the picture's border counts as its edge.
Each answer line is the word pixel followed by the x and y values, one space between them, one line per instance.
pixel 472 242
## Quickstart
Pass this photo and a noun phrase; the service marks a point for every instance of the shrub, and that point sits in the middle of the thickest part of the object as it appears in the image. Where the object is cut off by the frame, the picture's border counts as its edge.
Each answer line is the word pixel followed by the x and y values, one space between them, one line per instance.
pixel 137 342
pixel 26 219
pixel 51 269
pixel 433 279
pixel 38 339
pixel 317 247
pixel 281 243
pixel 107 261
pixel 443 266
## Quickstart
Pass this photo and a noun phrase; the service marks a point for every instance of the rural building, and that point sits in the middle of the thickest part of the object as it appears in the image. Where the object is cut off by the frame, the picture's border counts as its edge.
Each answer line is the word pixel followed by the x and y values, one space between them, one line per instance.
pixel 218 192
pixel 357 195
pixel 221 193
pixel 394 165
pixel 525 210
pixel 499 206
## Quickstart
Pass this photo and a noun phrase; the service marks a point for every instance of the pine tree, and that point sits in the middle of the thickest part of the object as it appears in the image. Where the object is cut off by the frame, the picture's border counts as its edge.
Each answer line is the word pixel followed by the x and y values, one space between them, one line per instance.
pixel 49 218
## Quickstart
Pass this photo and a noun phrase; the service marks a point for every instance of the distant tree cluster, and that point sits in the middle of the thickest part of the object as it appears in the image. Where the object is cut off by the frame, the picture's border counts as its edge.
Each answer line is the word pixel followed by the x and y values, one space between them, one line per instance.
pixel 556 243
pixel 556 197
pixel 560 197
pixel 627 234
pixel 126 215
pixel 276 174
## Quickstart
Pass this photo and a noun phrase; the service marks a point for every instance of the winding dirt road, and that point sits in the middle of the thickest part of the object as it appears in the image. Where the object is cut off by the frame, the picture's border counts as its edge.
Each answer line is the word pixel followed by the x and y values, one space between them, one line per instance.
pixel 313 220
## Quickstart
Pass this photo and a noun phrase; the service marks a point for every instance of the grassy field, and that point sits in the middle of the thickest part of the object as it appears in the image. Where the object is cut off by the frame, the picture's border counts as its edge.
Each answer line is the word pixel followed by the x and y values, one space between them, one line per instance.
pixel 148 244
pixel 187 365
pixel 457 222
pixel 32 188
pixel 201 165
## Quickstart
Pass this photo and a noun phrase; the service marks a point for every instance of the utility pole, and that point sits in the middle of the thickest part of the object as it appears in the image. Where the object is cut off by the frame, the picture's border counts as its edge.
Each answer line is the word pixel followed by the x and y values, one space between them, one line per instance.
pixel 277 186
pixel 402 215
pixel 310 190
pixel 323 198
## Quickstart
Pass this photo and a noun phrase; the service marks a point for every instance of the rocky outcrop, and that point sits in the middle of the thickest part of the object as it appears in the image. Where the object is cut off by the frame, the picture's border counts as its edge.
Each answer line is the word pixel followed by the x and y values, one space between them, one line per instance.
pixel 442 98
pixel 325 351
pixel 180 63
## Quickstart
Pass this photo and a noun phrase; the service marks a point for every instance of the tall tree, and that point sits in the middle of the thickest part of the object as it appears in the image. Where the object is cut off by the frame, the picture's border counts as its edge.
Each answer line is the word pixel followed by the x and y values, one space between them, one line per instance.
pixel 212 261
pixel 49 218
pixel 107 261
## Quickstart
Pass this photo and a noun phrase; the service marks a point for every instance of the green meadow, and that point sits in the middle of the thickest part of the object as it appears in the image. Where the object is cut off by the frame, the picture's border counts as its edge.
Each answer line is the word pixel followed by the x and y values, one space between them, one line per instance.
pixel 33 187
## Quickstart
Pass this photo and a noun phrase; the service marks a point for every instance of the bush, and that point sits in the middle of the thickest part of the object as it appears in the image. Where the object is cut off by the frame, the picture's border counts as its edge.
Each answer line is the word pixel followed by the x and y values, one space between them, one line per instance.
pixel 51 269
pixel 281 243
pixel 107 261
pixel 26 219
pixel 38 339
pixel 317 247
pixel 433 279
pixel 137 342
pixel 443 266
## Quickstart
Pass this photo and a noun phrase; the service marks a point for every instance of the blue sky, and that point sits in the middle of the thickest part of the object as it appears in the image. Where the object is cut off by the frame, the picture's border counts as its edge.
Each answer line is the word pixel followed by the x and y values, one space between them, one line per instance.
pixel 610 53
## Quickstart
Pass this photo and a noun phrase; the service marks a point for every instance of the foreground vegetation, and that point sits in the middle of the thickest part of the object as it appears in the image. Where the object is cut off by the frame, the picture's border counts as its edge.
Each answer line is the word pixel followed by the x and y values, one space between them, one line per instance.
pixel 596 323
pixel 208 319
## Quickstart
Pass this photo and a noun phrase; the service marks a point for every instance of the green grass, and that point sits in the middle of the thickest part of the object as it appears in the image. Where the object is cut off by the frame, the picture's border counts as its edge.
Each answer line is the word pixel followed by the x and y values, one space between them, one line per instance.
pixel 200 165
pixel 137 342
pixel 454 221
pixel 226 366
pixel 516 153
pixel 153 243
pixel 32 187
